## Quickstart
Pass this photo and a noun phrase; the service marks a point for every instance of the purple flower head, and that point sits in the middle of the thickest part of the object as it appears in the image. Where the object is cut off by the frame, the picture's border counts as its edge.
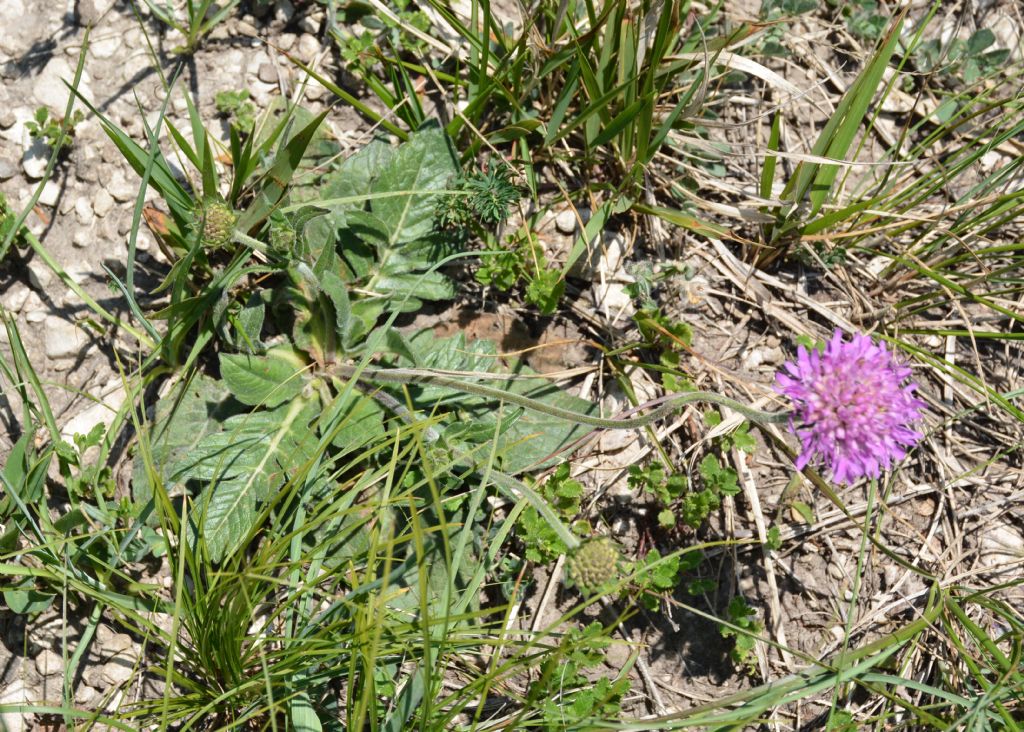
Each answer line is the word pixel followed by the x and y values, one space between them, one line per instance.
pixel 851 409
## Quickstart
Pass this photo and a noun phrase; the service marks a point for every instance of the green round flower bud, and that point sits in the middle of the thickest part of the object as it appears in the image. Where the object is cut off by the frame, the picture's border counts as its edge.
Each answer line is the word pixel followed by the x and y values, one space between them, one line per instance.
pixel 593 565
pixel 218 222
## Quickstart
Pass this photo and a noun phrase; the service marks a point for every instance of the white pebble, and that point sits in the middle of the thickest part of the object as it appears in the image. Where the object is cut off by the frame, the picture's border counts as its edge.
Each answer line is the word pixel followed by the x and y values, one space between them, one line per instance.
pixel 121 189
pixel 39 275
pixel 102 202
pixel 50 193
pixel 309 47
pixel 34 161
pixel 16 298
pixel 49 663
pixel 63 338
pixel 565 222
pixel 83 210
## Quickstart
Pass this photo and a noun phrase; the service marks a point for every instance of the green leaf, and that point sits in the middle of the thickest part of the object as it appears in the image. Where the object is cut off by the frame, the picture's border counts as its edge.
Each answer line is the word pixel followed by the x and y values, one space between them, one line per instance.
pixel 718 478
pixel 192 410
pixel 263 380
pixel 743 440
pixel 253 455
pixel 27 601
pixel 532 440
pixel 16 469
pixel 250 321
pixel 337 292
pixel 424 163
pixel 664 574
pixel 805 511
pixel 355 176
pixel 358 420
pixel 979 41
pixel 303 715
pixel 286 162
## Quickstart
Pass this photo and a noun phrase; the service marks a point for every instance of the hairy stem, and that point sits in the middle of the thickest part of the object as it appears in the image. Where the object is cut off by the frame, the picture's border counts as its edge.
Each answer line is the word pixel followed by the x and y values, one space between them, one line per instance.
pixel 466 381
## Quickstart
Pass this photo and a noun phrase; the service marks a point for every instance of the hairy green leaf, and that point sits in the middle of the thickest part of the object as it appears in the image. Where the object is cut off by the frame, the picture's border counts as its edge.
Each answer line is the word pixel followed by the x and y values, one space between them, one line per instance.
pixel 263 380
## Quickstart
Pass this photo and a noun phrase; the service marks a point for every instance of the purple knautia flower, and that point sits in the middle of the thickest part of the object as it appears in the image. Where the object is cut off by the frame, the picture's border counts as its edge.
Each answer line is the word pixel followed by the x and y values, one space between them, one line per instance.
pixel 851 409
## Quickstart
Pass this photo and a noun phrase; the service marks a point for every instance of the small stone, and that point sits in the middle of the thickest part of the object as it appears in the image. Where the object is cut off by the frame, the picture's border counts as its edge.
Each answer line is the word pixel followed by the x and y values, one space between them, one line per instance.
pixel 603 258
pixel 773 356
pixel 16 297
pixel 117 671
pixel 90 12
pixel 70 300
pixel 49 663
pixel 753 359
pixel 35 316
pixel 286 41
pixel 83 211
pixel 39 275
pixel 267 73
pixel 245 28
pixel 314 91
pixel 309 47
pixel 262 93
pixel 284 12
pixel 121 189
pixel 87 165
pixel 17 132
pixel 136 67
pixel 220 31
pixel 50 193
pixel 34 223
pixel 85 695
pixel 78 272
pixel 7 169
pixel 230 63
pixel 613 300
pixel 565 222
pixel 16 38
pixel 7 119
pixel 105 47
pixel 14 693
pixel 82 238
pixel 311 22
pixel 62 338
pixel 49 88
pixel 110 643
pixel 102 202
pixel 34 161
pixel 617 655
pixel 615 440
